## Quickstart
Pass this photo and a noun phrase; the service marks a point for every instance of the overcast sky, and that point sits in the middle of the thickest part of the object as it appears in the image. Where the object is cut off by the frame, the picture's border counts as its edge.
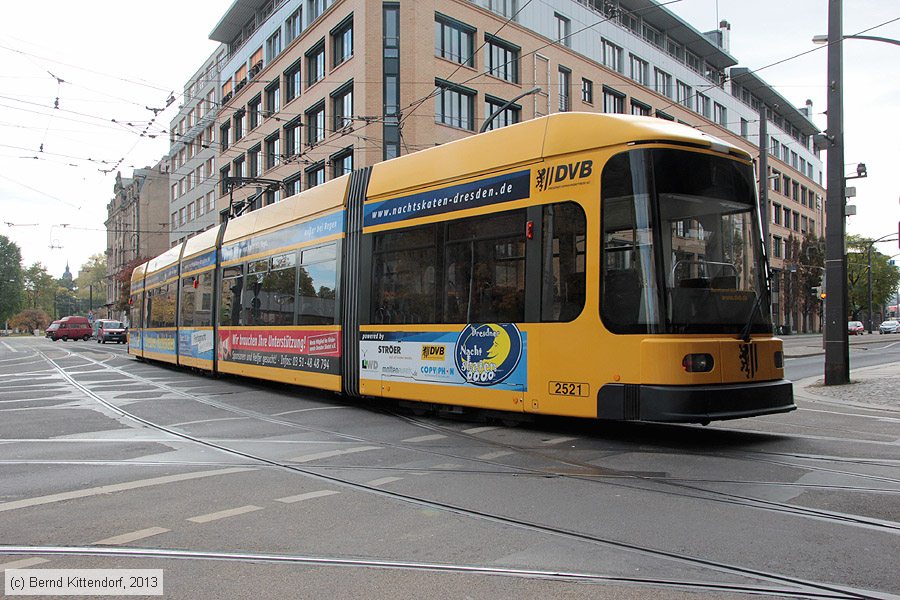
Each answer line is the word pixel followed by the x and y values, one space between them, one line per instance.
pixel 116 59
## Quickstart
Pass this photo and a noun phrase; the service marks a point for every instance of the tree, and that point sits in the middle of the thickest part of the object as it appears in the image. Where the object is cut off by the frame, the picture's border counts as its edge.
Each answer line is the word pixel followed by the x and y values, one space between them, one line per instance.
pixel 885 277
pixel 40 289
pixel 30 319
pixel 810 271
pixel 10 278
pixel 123 278
pixel 91 281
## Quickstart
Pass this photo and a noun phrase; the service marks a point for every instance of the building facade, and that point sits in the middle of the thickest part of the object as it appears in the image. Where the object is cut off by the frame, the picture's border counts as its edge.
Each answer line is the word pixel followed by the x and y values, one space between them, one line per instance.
pixel 137 227
pixel 313 89
pixel 192 154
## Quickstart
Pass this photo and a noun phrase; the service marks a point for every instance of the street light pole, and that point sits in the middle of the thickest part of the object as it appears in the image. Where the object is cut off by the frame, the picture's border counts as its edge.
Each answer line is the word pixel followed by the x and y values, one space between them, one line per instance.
pixel 837 346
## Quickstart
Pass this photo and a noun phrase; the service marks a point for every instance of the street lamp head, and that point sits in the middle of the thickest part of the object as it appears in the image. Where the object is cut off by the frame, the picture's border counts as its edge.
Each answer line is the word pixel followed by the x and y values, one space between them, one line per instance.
pixel 820 39
pixel 861 170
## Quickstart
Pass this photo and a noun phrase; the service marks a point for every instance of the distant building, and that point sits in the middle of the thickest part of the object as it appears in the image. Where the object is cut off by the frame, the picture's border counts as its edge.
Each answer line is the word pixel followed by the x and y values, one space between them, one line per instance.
pixel 136 225
pixel 312 89
pixel 192 152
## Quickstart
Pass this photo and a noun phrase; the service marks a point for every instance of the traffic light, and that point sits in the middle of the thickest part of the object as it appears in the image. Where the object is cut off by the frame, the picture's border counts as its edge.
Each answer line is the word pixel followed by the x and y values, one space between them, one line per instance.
pixel 819 292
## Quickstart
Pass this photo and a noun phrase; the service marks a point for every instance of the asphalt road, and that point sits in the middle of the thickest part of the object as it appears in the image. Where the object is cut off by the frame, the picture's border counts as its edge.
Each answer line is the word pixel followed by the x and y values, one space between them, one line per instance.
pixel 243 490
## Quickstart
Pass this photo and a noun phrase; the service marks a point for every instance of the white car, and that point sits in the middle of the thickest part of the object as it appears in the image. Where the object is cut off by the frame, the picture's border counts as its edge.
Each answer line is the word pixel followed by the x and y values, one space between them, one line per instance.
pixel 889 327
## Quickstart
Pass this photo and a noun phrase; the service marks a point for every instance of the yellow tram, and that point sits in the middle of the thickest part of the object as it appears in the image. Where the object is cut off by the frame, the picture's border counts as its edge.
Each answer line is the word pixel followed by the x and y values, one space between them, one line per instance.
pixel 598 266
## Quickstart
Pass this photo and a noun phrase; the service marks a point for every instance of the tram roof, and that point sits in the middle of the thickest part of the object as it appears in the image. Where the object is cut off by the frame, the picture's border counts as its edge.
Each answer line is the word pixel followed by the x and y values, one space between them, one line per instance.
pixel 201 242
pixel 329 195
pixel 528 142
pixel 139 271
pixel 167 258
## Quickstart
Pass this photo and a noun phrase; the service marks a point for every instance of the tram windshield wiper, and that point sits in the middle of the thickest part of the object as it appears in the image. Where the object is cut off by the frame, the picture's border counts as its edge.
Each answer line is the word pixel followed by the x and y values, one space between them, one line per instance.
pixel 745 332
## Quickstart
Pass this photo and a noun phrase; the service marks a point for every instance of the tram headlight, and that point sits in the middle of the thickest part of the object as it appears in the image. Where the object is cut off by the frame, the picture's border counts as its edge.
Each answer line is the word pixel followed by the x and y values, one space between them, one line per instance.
pixel 697 363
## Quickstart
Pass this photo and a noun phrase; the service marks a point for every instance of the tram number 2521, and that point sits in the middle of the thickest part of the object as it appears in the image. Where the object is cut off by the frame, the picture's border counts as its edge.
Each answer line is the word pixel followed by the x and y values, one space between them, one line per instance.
pixel 569 388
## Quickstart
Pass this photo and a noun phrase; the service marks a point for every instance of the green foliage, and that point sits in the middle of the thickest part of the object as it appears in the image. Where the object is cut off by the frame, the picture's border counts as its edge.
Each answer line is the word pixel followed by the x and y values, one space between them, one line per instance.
pixel 40 288
pixel 10 278
pixel 92 273
pixel 885 277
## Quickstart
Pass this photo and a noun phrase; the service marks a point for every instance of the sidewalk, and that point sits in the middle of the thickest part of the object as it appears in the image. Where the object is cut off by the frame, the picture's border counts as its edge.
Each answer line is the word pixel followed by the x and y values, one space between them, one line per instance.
pixel 869 387
pixel 810 344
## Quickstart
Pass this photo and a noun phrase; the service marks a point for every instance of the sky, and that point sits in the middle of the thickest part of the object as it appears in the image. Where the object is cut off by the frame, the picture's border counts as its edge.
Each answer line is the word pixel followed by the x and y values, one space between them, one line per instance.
pixel 105 64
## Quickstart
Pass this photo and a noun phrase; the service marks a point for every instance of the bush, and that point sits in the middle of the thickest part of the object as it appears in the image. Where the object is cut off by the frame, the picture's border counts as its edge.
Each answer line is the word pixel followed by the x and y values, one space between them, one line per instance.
pixel 30 319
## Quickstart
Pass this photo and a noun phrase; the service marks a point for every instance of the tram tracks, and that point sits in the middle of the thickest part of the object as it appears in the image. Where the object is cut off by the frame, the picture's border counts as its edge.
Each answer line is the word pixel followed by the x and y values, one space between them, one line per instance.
pixel 597 474
pixel 804 588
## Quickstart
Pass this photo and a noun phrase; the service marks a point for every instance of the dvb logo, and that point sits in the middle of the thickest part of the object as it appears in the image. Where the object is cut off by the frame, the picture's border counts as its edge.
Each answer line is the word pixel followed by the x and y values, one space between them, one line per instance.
pixel 567 172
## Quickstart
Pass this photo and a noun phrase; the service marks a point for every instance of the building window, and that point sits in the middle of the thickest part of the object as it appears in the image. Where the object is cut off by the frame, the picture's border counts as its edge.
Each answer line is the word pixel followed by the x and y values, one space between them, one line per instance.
pixel 796 221
pixel 293 25
pixel 720 114
pixel 563 30
pixel 181 216
pixel 640 70
pixel 745 128
pixel 613 101
pixel 342 106
pixel 273 100
pixel 174 191
pixel 612 56
pixel 685 95
pixel 240 119
pixel 565 80
pixel 511 114
pixel 453 40
pixel 315 63
pixel 254 108
pixel 665 116
pixel 773 148
pixel 455 105
pixel 273 151
pixel 787 216
pixel 639 108
pixel 587 91
pixel 315 8
pixel 506 8
pixel 502 59
pixel 224 172
pixel 254 161
pixel 703 106
pixel 342 41
pixel 776 213
pixel 210 202
pixel 776 246
pixel 174 221
pixel 273 46
pixel 391 72
pixel 291 186
pixel 342 162
pixel 315 175
pixel 292 82
pixel 239 166
pixel 315 124
pixel 190 212
pixel 224 136
pixel 292 137
pixel 663 82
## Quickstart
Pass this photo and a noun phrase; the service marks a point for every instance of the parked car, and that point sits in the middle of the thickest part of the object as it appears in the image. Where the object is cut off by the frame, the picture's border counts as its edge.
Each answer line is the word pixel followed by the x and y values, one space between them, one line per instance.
pixel 51 328
pixel 111 331
pixel 889 327
pixel 855 328
pixel 71 328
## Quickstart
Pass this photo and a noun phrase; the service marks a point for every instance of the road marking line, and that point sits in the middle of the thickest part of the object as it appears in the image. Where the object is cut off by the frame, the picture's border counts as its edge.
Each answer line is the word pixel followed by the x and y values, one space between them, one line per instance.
pixel 306 496
pixel 133 536
pixel 331 453
pixel 493 455
pixel 559 440
pixel 425 438
pixel 23 564
pixel 118 487
pixel 224 514
pixel 382 481
pixel 475 430
pixel 11 349
pixel 447 467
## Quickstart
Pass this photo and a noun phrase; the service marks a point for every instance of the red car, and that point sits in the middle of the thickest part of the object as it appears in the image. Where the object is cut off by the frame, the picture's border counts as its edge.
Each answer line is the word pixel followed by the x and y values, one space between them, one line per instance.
pixel 70 328
pixel 855 328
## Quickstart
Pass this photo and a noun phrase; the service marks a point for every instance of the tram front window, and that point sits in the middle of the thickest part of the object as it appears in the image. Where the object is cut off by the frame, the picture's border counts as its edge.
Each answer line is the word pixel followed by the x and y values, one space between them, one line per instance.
pixel 681 248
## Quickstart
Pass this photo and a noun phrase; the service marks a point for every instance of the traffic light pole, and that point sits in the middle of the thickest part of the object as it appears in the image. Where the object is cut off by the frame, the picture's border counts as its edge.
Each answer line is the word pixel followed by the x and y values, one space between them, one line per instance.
pixel 837 346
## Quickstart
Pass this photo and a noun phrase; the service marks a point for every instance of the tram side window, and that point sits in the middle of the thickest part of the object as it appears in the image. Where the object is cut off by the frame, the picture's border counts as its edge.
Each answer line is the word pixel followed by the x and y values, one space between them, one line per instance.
pixel 269 293
pixel 563 263
pixel 317 283
pixel 230 300
pixel 403 276
pixel 484 273
pixel 162 309
pixel 196 300
pixel 136 309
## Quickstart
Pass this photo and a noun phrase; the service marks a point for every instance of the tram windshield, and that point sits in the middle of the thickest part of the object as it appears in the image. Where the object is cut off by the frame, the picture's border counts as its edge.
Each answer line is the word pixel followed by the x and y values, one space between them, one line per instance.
pixel 681 248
